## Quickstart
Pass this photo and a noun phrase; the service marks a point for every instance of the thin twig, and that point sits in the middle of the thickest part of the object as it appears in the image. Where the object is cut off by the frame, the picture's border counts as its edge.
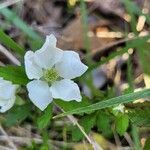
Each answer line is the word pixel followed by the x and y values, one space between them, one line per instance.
pixel 5 148
pixel 8 139
pixel 107 47
pixel 12 58
pixel 116 137
pixel 129 140
pixel 28 141
pixel 75 122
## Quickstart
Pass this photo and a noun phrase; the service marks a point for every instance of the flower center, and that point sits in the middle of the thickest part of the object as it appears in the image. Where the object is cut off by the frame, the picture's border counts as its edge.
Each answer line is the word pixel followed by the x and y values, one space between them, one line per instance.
pixel 50 75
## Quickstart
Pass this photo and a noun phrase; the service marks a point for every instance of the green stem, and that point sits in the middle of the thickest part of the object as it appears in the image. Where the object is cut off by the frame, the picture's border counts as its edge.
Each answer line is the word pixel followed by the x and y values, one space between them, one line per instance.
pixel 86 40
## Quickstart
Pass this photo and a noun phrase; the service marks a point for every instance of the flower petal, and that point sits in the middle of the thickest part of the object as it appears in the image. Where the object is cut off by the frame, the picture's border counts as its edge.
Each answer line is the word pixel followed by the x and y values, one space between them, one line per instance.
pixel 7 94
pixel 39 93
pixel 33 71
pixel 7 89
pixel 70 66
pixel 66 90
pixel 52 40
pixel 6 104
pixel 49 54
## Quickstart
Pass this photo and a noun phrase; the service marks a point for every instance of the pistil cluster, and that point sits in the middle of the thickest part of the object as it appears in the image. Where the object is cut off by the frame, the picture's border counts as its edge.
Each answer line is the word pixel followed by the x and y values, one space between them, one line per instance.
pixel 50 75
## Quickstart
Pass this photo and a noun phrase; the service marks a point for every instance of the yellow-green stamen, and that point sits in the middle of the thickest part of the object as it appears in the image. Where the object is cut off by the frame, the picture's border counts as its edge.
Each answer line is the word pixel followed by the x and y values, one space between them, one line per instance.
pixel 50 75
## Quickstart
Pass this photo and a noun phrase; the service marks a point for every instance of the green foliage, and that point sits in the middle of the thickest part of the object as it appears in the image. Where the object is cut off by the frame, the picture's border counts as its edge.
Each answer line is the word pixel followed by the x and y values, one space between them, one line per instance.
pixel 103 123
pixel 109 103
pixel 9 43
pixel 121 124
pixel 84 19
pixel 142 49
pixel 88 79
pixel 140 117
pixel 87 122
pixel 44 120
pixel 107 59
pixel 135 136
pixel 35 40
pixel 68 106
pixel 144 55
pixel 147 144
pixel 12 17
pixel 131 6
pixel 133 9
pixel 134 43
pixel 17 114
pixel 16 74
pixel 33 146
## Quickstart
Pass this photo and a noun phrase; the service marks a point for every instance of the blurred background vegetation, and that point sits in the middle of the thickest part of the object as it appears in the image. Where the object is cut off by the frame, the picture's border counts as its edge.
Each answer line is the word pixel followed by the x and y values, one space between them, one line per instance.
pixel 113 39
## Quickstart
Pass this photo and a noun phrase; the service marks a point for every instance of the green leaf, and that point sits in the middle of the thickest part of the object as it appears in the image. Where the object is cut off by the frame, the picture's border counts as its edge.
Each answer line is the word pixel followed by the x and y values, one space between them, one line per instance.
pixel 87 122
pixel 44 120
pixel 121 124
pixel 9 43
pixel 16 74
pixel 103 123
pixel 140 117
pixel 68 106
pixel 147 144
pixel 109 103
pixel 17 114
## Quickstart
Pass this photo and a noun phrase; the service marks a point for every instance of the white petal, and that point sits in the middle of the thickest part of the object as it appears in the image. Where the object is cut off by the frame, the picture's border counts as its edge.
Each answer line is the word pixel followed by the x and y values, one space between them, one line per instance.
pixel 6 104
pixel 66 90
pixel 71 66
pixel 51 39
pixel 33 71
pixel 39 93
pixel 7 89
pixel 7 94
pixel 49 54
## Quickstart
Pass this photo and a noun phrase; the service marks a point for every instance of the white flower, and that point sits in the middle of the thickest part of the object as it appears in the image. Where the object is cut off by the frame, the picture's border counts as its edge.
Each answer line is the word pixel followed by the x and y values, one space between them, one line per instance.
pixel 7 95
pixel 51 70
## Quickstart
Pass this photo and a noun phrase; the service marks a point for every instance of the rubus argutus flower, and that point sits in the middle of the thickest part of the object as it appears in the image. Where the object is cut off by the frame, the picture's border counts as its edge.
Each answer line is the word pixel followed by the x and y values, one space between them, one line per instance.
pixel 51 70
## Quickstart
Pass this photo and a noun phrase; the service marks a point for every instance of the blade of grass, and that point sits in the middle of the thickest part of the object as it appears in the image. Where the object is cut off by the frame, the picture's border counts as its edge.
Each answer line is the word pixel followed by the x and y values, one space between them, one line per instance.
pixel 131 9
pixel 84 24
pixel 19 23
pixel 84 19
pixel 135 134
pixel 9 43
pixel 143 51
pixel 109 103
pixel 134 9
